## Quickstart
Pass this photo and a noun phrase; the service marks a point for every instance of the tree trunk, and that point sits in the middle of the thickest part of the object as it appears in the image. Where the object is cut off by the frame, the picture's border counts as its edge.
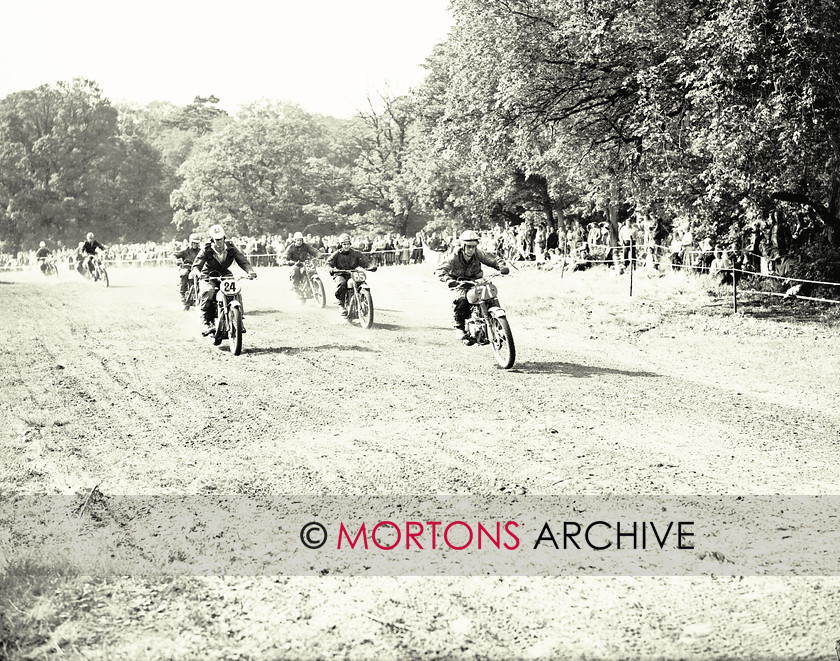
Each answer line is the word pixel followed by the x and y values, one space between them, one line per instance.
pixel 612 219
pixel 545 199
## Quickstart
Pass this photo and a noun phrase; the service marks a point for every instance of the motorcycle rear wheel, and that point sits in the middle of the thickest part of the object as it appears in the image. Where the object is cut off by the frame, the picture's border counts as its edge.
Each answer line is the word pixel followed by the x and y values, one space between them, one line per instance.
pixel 502 342
pixel 235 331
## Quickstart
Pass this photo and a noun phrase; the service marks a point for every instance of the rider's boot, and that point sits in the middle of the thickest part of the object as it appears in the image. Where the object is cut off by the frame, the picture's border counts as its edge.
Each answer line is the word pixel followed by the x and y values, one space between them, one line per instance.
pixel 461 332
pixel 209 328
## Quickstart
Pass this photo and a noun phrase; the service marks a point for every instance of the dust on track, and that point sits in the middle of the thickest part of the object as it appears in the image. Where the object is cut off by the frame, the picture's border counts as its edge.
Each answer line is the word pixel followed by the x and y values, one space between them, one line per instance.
pixel 115 387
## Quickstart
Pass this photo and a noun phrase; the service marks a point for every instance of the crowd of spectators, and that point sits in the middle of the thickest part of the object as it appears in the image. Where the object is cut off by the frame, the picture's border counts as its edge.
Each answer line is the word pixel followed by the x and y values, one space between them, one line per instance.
pixel 640 241
pixel 267 250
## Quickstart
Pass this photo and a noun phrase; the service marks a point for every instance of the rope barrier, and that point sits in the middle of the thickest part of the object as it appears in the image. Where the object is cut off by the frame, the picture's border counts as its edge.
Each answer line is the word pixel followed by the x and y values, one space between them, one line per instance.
pixel 796 296
pixel 422 253
pixel 787 278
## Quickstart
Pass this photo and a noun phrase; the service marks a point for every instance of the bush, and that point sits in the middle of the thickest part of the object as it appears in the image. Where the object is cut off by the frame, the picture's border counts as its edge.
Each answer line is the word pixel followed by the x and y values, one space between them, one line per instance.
pixel 817 262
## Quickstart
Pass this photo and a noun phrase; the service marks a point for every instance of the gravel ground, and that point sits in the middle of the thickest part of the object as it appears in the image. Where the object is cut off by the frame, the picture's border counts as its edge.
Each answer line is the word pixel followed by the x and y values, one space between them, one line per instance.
pixel 661 394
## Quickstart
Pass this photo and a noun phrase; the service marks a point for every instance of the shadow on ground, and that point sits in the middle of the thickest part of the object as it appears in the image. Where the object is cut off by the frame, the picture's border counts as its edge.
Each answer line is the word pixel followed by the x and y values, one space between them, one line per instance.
pixel 573 369
pixel 787 309
pixel 259 313
pixel 388 327
pixel 291 351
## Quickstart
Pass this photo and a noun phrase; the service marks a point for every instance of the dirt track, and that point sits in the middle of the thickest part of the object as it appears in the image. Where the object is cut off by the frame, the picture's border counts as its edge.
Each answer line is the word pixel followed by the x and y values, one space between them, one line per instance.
pixel 609 395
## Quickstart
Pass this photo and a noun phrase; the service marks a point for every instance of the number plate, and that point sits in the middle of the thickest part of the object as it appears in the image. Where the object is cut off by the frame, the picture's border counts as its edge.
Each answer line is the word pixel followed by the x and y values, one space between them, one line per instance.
pixel 485 292
pixel 230 287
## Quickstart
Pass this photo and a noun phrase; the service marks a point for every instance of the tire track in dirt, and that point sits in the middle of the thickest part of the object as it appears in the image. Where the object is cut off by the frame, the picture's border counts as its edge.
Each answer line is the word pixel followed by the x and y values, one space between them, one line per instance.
pixel 317 407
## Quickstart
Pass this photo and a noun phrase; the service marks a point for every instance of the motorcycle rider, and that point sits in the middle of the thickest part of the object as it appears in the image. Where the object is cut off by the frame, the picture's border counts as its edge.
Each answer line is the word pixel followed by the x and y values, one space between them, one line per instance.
pixel 295 255
pixel 41 255
pixel 89 248
pixel 465 264
pixel 344 259
pixel 185 258
pixel 80 258
pixel 217 255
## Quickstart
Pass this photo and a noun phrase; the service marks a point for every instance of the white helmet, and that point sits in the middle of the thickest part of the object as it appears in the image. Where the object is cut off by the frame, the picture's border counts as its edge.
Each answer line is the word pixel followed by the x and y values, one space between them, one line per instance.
pixel 217 232
pixel 344 238
pixel 90 236
pixel 195 238
pixel 42 245
pixel 468 236
pixel 298 235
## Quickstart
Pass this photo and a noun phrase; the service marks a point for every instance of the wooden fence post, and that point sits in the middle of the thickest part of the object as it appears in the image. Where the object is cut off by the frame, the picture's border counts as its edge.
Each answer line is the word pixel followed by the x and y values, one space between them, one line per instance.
pixel 734 291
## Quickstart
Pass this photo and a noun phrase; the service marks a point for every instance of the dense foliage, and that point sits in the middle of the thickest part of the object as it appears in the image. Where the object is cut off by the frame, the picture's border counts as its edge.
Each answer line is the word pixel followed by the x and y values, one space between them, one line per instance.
pixel 701 113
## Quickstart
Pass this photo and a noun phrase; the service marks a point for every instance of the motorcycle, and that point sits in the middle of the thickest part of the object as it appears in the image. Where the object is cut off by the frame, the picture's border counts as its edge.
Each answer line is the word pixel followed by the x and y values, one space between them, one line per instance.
pixel 99 272
pixel 191 295
pixel 358 301
pixel 311 286
pixel 229 311
pixel 49 266
pixel 487 323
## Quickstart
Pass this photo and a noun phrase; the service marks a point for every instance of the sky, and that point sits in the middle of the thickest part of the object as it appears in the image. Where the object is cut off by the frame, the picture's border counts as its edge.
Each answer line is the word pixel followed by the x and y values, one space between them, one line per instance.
pixel 328 56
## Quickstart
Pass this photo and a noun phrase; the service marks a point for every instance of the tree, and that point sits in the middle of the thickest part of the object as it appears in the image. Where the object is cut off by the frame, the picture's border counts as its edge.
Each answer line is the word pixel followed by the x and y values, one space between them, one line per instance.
pixel 381 187
pixel 765 109
pixel 262 172
pixel 705 112
pixel 57 146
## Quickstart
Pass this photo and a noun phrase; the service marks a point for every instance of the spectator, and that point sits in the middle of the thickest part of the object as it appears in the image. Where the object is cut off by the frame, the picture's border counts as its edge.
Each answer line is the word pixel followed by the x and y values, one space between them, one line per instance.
pixel 721 268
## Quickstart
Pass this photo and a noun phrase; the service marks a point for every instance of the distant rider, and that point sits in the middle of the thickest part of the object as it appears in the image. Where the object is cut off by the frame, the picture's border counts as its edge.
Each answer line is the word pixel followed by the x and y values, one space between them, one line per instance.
pixel 185 258
pixel 465 264
pixel 344 259
pixel 89 249
pixel 216 256
pixel 296 254
pixel 80 258
pixel 41 255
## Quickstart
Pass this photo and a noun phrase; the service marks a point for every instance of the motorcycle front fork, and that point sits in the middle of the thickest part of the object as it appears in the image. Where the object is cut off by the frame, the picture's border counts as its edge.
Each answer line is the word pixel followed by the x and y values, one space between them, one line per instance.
pixel 223 310
pixel 350 301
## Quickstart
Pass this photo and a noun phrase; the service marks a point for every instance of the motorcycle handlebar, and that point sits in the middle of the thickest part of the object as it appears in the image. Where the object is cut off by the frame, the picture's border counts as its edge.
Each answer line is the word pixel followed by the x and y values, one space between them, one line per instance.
pixel 224 277
pixel 348 271
pixel 465 283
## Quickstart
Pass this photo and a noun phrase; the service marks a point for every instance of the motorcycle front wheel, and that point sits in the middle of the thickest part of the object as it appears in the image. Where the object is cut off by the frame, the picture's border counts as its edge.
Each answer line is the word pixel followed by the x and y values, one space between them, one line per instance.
pixel 103 277
pixel 502 342
pixel 350 306
pixel 190 300
pixel 318 291
pixel 235 331
pixel 365 309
